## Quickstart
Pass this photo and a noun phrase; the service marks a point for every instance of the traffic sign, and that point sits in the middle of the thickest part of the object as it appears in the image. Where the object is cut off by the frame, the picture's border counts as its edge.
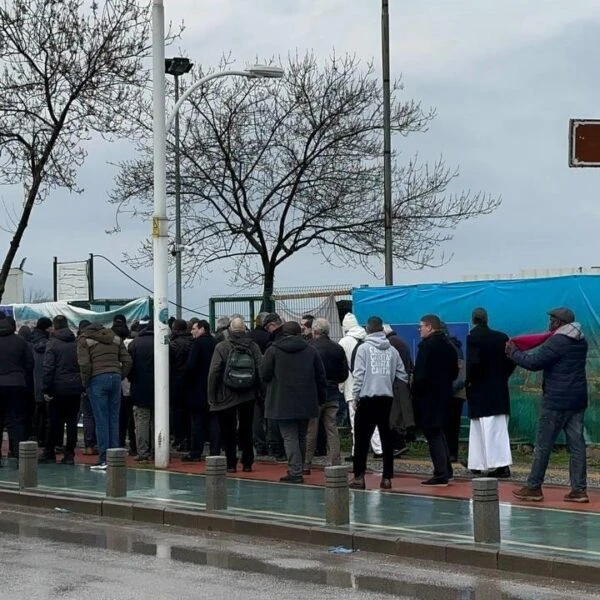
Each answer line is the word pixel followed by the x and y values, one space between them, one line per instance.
pixel 584 142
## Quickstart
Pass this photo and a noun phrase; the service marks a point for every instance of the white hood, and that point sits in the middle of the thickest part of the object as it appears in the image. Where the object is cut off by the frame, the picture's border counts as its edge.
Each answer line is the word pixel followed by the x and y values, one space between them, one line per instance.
pixel 348 322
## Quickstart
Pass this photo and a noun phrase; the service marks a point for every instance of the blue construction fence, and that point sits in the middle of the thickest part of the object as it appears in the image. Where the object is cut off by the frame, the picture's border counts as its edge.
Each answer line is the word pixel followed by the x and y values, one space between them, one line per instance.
pixel 515 306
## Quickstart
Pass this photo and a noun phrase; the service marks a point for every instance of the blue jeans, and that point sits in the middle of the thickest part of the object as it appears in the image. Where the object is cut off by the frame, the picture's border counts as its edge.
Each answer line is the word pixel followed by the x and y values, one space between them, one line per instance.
pixel 104 392
pixel 549 427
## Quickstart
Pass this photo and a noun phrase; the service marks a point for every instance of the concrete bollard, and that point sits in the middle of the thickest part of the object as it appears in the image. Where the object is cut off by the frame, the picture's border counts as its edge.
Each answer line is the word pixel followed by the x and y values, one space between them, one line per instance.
pixel 337 496
pixel 28 464
pixel 116 473
pixel 216 485
pixel 486 510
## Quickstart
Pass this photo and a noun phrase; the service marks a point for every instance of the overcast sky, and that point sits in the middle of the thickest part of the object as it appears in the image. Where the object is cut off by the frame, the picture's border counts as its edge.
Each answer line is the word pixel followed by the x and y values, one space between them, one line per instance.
pixel 504 77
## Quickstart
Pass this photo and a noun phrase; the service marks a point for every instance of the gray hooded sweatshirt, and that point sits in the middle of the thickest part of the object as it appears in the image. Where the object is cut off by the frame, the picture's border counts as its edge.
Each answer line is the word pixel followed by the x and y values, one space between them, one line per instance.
pixel 376 366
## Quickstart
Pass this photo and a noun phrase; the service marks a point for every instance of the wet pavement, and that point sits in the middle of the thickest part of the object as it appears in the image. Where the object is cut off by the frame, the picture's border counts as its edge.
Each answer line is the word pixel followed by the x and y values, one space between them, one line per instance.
pixel 571 534
pixel 55 555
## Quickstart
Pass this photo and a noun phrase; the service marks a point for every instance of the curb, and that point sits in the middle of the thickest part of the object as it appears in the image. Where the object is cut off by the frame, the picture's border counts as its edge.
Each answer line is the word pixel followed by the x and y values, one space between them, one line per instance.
pixel 469 554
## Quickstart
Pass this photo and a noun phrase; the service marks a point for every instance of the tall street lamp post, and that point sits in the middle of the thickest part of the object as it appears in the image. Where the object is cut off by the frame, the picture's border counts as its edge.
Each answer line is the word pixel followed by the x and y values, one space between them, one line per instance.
pixel 160 233
pixel 177 67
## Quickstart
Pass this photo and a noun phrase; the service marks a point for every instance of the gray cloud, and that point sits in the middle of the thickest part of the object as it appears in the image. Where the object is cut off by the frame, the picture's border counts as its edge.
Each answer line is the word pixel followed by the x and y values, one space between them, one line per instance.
pixel 504 77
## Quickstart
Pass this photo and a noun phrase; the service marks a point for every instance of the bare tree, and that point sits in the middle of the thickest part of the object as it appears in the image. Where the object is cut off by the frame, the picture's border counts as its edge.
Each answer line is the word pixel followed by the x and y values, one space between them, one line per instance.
pixel 66 72
pixel 272 169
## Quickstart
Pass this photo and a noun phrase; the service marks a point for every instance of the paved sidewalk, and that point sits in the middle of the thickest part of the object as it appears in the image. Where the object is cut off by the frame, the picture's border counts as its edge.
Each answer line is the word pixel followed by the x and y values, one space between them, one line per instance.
pixel 440 517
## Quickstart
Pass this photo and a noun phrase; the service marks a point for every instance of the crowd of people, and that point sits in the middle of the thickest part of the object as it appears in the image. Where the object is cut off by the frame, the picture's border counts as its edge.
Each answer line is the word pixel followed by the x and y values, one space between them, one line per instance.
pixel 281 389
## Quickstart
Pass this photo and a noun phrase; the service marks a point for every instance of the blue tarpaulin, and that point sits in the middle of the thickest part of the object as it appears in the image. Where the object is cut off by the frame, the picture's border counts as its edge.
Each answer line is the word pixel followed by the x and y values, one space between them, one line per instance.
pixel 515 306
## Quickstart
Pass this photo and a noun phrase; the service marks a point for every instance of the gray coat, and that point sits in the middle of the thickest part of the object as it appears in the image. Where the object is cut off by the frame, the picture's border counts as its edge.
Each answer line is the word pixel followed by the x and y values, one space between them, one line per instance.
pixel 220 396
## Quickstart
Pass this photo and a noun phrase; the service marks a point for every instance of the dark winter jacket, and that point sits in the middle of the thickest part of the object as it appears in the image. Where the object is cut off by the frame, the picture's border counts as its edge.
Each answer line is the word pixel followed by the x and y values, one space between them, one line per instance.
pixel 562 357
pixel 402 414
pixel 334 360
pixel 220 396
pixel 487 374
pixel 25 333
pixel 295 378
pixel 61 370
pixel 39 339
pixel 436 368
pixel 16 358
pixel 403 350
pixel 141 375
pixel 100 351
pixel 180 346
pixel 197 367
pixel 458 386
pixel 260 337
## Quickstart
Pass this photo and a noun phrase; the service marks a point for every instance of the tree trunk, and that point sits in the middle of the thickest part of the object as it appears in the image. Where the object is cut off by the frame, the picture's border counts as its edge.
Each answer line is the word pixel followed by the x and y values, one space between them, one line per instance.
pixel 268 304
pixel 19 232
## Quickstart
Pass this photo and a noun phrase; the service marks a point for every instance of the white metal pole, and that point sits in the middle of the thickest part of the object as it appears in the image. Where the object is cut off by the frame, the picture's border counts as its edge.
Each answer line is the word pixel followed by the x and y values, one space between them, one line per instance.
pixel 160 241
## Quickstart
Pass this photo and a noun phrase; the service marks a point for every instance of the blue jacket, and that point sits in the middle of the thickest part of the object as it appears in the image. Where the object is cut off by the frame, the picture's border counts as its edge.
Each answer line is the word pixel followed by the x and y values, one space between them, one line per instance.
pixel 562 357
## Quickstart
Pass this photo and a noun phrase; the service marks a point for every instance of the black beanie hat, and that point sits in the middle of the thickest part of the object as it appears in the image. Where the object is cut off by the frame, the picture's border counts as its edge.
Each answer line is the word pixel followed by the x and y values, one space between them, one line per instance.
pixel 43 323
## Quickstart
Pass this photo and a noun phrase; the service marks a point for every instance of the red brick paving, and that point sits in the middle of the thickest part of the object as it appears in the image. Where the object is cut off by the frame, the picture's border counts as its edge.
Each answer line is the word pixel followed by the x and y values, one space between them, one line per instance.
pixel 407 483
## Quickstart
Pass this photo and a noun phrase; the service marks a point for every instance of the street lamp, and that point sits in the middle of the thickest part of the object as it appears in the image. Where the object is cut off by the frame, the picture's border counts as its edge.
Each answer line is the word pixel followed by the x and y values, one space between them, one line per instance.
pixel 177 66
pixel 160 230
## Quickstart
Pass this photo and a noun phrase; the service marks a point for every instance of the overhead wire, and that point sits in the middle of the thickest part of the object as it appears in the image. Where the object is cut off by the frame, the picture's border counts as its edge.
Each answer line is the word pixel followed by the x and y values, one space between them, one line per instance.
pixel 193 311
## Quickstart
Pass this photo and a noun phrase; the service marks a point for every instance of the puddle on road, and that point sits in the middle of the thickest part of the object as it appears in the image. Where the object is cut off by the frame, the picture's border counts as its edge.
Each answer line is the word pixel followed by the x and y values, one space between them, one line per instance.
pixel 304 571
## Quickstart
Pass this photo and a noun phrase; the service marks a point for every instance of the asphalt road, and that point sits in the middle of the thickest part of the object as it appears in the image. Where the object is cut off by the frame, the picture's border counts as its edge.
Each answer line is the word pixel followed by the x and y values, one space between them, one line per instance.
pixel 52 555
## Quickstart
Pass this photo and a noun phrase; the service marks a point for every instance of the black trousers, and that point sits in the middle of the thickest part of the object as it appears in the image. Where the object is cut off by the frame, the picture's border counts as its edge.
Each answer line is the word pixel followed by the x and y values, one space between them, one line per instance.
pixel 438 450
pixel 452 425
pixel 40 422
pixel 12 414
pixel 259 428
pixel 63 410
pixel 372 412
pixel 204 426
pixel 238 418
pixel 127 424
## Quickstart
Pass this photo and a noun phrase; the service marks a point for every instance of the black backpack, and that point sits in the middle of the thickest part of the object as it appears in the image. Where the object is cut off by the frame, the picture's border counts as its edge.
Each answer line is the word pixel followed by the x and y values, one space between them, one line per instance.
pixel 353 356
pixel 240 368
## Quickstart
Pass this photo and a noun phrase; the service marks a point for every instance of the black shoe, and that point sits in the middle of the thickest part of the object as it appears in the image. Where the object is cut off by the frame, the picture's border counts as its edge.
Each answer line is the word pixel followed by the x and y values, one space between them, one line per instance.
pixel 190 458
pixel 231 470
pixel 377 455
pixel 500 473
pixel 292 479
pixel 358 483
pixel 45 459
pixel 465 464
pixel 247 468
pixel 435 482
pixel 349 458
pixel 306 471
pixel 453 458
pixel 68 459
pixel 281 457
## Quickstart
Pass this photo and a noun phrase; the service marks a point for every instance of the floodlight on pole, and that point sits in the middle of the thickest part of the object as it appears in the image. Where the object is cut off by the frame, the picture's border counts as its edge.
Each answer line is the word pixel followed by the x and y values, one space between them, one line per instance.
pixel 177 67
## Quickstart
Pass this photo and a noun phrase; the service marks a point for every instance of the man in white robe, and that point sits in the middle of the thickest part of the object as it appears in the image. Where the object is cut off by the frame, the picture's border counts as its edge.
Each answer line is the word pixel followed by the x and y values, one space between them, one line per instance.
pixel 488 371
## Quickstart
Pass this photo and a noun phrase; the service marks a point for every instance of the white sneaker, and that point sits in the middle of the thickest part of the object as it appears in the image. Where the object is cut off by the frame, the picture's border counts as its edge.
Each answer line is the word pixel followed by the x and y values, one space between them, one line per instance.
pixel 99 467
